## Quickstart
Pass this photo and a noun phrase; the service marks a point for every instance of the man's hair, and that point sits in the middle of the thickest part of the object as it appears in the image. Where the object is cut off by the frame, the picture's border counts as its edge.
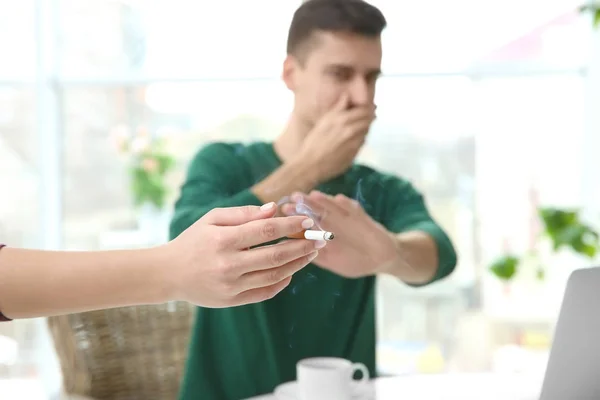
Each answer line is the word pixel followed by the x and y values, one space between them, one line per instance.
pixel 351 16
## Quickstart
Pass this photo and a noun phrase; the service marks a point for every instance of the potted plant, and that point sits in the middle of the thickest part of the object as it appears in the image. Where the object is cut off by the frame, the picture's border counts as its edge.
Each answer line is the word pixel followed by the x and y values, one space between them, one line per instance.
pixel 564 228
pixel 149 164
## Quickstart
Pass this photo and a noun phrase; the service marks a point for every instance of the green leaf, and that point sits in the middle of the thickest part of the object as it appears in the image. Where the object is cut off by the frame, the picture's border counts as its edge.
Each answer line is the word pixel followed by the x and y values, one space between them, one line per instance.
pixel 555 219
pixel 148 187
pixel 565 229
pixel 505 267
pixel 583 248
pixel 569 235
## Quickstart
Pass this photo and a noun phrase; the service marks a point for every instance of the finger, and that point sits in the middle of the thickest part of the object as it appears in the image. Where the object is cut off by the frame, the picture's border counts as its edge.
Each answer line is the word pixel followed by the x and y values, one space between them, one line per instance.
pixel 342 103
pixel 358 127
pixel 297 197
pixel 346 203
pixel 299 235
pixel 327 202
pixel 320 198
pixel 271 276
pixel 302 206
pixel 276 255
pixel 358 114
pixel 231 216
pixel 315 195
pixel 288 209
pixel 262 231
pixel 265 293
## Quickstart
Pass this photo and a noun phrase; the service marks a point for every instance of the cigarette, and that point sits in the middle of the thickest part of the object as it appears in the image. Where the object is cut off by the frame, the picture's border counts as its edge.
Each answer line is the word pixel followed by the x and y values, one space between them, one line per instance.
pixel 313 235
pixel 318 235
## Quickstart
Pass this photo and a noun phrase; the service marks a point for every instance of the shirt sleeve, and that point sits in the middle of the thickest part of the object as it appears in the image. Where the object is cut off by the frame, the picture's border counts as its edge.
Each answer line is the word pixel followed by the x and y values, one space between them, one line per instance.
pixel 3 318
pixel 210 183
pixel 405 211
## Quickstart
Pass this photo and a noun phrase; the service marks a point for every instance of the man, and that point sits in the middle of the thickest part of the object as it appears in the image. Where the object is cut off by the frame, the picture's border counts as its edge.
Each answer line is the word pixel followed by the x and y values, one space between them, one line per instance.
pixel 380 222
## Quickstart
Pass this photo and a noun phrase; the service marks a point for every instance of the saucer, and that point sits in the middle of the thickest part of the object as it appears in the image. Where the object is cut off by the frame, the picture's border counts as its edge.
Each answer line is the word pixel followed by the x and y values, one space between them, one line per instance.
pixel 289 391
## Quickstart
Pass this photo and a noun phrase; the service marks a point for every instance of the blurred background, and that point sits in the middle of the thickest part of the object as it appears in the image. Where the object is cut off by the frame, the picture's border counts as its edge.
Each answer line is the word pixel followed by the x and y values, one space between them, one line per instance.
pixel 490 108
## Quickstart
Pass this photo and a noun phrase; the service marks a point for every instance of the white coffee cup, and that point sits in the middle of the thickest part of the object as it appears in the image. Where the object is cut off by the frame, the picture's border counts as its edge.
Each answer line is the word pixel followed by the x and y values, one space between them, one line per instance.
pixel 329 378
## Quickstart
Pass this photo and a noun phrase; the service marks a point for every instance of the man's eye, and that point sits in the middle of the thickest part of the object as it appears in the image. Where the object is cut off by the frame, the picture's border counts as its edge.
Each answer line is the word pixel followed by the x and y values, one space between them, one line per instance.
pixel 372 78
pixel 340 75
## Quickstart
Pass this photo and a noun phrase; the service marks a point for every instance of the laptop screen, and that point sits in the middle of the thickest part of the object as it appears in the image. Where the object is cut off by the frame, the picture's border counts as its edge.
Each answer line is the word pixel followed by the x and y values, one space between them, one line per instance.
pixel 573 371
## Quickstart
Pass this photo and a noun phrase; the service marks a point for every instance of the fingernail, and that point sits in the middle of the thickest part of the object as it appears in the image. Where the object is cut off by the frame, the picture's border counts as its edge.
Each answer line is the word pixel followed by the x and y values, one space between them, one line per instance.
pixel 308 223
pixel 319 244
pixel 312 255
pixel 267 206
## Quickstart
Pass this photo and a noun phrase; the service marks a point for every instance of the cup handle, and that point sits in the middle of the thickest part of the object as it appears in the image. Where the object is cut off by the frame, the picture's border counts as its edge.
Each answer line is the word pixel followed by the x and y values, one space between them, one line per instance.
pixel 364 372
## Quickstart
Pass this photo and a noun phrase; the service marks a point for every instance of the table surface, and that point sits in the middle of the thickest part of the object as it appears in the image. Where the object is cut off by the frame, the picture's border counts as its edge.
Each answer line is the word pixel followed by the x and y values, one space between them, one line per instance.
pixel 424 387
pixel 453 386
pixel 21 389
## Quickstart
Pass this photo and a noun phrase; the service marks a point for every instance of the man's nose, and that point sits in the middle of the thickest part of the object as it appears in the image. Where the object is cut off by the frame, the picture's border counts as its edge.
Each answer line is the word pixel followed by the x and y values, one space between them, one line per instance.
pixel 360 93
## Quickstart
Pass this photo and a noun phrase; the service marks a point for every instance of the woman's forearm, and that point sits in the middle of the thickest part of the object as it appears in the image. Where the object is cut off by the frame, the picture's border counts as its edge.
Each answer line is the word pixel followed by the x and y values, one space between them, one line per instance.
pixel 216 262
pixel 34 283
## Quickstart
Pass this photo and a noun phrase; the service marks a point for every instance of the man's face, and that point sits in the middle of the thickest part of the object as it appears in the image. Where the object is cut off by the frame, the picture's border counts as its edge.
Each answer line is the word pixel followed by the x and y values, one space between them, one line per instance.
pixel 337 63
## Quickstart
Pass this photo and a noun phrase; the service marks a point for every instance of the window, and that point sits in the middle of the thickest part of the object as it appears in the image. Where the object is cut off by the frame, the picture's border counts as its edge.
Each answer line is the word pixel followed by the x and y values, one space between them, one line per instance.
pixel 166 39
pixel 19 214
pixel 97 201
pixel 17 40
pixel 445 37
pixel 529 154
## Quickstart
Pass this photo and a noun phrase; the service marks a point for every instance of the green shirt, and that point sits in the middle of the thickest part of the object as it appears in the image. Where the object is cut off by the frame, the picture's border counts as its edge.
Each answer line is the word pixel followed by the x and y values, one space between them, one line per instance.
pixel 246 351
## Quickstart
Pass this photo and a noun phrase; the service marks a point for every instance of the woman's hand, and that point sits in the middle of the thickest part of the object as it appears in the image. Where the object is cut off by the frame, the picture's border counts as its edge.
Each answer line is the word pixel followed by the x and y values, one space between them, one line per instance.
pixel 213 265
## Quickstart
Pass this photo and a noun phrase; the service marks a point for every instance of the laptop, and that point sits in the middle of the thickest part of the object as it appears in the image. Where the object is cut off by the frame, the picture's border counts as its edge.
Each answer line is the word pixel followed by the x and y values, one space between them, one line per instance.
pixel 573 370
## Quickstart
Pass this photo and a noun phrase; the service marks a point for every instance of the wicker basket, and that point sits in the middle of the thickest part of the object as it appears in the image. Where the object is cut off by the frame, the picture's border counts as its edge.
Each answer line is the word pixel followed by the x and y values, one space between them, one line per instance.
pixel 124 353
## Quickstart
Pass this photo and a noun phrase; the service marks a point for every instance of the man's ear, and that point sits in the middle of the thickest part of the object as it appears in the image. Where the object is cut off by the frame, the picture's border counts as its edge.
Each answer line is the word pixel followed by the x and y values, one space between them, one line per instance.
pixel 290 68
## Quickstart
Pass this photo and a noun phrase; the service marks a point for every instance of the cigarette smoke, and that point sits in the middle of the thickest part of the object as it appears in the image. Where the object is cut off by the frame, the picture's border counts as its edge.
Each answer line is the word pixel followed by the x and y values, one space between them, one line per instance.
pixel 301 208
